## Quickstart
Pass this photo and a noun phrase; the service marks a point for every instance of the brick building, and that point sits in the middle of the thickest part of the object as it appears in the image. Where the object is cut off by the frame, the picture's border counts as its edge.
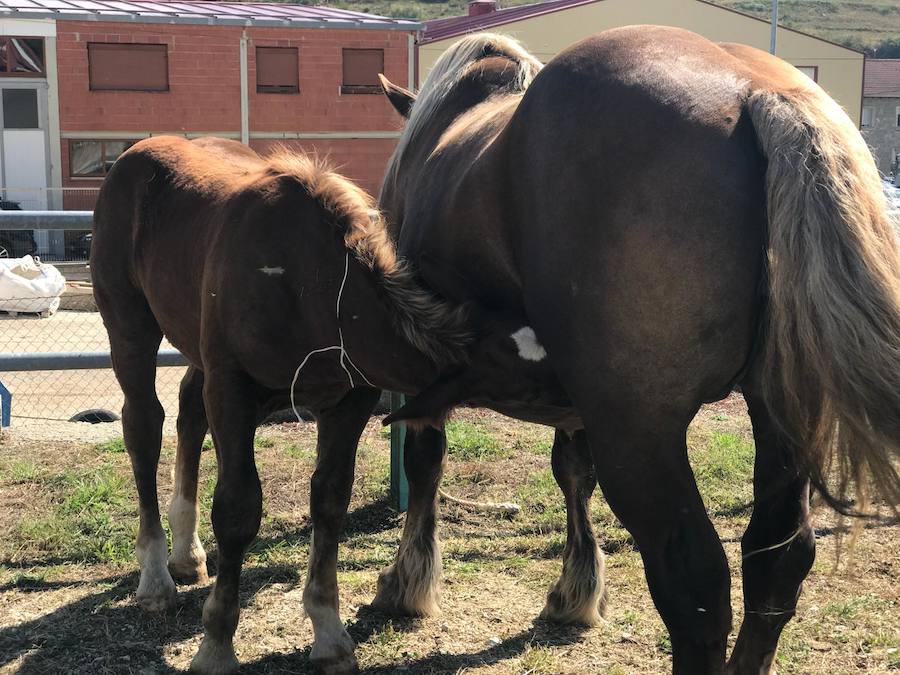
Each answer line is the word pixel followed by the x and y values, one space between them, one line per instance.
pixel 82 79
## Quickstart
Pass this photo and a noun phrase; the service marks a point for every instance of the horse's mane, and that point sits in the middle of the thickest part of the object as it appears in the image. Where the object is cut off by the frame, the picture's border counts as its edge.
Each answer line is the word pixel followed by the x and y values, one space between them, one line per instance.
pixel 433 326
pixel 450 67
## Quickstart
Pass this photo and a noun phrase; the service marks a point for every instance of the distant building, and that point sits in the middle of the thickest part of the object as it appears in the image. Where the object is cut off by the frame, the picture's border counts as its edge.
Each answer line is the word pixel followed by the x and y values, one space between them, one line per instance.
pixel 549 27
pixel 881 113
pixel 81 80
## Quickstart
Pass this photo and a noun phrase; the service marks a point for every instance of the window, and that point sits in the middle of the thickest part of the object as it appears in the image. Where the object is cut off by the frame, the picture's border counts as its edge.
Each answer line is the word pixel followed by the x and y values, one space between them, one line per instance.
pixel 93 159
pixel 812 72
pixel 897 116
pixel 128 67
pixel 868 116
pixel 21 57
pixel 276 70
pixel 20 109
pixel 361 69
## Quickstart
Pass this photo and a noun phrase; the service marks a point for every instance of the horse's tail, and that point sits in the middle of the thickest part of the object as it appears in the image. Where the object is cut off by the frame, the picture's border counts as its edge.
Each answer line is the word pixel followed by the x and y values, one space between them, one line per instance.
pixel 832 343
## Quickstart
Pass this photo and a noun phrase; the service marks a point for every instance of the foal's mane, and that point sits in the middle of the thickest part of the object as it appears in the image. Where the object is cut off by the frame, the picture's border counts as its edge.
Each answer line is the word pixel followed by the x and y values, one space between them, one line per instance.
pixel 449 69
pixel 433 326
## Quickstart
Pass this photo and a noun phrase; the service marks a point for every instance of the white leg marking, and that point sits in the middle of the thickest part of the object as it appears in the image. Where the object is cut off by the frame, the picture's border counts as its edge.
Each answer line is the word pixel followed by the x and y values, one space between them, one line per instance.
pixel 331 642
pixel 188 559
pixel 529 347
pixel 156 590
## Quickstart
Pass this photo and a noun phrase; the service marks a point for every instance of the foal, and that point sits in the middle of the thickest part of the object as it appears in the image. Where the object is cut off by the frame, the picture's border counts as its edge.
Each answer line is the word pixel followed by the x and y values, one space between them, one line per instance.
pixel 277 280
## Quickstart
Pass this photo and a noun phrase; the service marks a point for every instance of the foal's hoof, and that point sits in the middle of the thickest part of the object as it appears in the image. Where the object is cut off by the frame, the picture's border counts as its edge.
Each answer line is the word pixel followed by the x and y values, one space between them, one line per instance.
pixel 156 595
pixel 344 665
pixel 189 573
pixel 215 658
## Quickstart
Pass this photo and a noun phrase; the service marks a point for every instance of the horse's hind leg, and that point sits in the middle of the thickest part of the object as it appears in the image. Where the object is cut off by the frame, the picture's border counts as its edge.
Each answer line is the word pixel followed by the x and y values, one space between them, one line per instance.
pixel 332 481
pixel 640 456
pixel 778 547
pixel 579 596
pixel 134 338
pixel 187 563
pixel 411 585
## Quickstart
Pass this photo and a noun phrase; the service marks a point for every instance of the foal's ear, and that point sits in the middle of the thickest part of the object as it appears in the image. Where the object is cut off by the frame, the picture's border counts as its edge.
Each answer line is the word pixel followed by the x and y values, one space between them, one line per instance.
pixel 402 99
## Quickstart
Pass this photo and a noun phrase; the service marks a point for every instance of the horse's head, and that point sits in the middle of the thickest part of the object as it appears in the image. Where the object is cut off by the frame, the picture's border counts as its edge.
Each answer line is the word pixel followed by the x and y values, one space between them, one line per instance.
pixel 476 68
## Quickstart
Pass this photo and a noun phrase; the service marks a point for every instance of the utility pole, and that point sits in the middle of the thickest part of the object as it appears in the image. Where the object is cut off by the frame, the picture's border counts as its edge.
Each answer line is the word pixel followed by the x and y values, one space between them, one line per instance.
pixel 774 43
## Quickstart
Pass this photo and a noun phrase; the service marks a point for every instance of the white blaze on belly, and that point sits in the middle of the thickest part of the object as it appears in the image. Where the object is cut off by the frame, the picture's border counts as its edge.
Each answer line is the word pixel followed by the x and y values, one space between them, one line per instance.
pixel 529 347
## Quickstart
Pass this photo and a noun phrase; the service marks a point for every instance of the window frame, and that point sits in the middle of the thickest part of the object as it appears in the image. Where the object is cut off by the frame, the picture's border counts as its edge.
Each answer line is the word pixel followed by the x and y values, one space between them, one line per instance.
pixel 277 89
pixel 43 73
pixel 897 117
pixel 815 69
pixel 360 88
pixel 165 47
pixel 102 142
pixel 862 117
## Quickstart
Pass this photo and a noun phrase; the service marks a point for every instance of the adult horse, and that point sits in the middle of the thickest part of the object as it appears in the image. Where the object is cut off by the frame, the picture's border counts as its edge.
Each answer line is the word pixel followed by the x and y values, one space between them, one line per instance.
pixel 277 280
pixel 656 218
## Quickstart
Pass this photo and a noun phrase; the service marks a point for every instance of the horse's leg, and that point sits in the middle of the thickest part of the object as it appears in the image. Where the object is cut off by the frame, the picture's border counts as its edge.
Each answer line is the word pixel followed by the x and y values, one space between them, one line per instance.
pixel 778 547
pixel 339 431
pixel 411 585
pixel 579 596
pixel 231 406
pixel 640 456
pixel 187 563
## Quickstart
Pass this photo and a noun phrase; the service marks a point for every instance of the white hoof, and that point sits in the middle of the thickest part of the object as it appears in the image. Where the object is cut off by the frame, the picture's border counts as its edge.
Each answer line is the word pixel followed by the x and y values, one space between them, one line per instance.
pixel 215 658
pixel 156 593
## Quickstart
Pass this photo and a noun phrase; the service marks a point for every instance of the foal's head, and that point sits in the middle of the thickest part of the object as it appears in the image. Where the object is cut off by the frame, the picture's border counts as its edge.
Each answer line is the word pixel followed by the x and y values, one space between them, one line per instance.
pixel 477 68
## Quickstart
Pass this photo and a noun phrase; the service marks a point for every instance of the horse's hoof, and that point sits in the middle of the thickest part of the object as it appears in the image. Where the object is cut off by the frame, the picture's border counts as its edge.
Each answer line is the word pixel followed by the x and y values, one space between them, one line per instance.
pixel 189 573
pixel 584 612
pixel 344 665
pixel 158 595
pixel 215 658
pixel 390 599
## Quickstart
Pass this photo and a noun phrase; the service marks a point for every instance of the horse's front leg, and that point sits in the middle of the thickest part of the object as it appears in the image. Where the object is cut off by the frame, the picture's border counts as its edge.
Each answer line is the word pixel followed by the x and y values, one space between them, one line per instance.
pixel 237 508
pixel 411 585
pixel 579 595
pixel 187 563
pixel 339 431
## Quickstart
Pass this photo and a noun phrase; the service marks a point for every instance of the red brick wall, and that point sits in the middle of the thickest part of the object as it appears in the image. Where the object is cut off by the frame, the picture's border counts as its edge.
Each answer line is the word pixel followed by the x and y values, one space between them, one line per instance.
pixel 204 88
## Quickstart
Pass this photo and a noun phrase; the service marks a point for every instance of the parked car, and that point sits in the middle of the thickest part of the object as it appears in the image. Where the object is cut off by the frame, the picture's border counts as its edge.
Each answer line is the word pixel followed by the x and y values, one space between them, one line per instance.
pixel 15 243
pixel 78 245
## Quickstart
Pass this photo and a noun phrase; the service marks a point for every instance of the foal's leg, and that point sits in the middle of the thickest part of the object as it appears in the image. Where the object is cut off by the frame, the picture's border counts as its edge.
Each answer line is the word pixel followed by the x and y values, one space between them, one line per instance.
pixel 330 487
pixel 411 585
pixel 231 405
pixel 579 596
pixel 640 456
pixel 779 545
pixel 187 563
pixel 134 338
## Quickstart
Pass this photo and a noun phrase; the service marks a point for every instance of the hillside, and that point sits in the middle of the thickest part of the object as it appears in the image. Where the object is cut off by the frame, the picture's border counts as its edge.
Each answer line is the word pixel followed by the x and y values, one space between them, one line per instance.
pixel 870 24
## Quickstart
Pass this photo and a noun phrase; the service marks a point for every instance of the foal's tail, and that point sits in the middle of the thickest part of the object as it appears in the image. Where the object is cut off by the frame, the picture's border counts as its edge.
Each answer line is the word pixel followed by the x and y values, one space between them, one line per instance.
pixel 832 342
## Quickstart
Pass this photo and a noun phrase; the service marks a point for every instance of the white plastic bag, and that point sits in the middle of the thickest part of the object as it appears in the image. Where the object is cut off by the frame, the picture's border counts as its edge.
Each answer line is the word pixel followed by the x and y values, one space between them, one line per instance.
pixel 28 285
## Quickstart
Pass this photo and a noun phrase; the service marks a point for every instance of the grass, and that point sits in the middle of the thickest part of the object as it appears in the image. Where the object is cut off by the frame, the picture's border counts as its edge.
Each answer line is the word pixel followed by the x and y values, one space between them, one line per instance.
pixel 67 565
pixel 114 446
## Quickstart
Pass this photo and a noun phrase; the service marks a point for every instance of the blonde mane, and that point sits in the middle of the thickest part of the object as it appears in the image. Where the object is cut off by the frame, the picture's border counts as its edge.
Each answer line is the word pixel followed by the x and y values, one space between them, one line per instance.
pixel 452 66
pixel 436 328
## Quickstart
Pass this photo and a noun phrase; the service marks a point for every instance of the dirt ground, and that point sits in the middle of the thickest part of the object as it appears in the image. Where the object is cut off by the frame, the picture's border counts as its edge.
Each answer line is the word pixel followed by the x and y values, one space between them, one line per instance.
pixel 68 575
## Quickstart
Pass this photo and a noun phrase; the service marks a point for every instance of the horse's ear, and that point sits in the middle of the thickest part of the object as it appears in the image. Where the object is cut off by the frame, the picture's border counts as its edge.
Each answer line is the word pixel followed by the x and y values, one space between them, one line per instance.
pixel 402 99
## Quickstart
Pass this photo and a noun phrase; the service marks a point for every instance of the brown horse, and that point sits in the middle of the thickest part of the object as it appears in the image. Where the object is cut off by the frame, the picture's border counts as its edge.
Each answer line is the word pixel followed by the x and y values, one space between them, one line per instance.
pixel 656 218
pixel 277 280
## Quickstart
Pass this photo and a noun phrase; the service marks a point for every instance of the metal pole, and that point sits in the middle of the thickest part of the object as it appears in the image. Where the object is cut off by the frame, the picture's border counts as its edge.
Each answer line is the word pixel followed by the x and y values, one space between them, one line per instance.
pixel 46 220
pixel 40 361
pixel 399 484
pixel 774 42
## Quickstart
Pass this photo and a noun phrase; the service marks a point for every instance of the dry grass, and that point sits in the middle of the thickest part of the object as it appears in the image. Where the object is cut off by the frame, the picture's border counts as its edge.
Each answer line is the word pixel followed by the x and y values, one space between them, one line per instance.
pixel 67 576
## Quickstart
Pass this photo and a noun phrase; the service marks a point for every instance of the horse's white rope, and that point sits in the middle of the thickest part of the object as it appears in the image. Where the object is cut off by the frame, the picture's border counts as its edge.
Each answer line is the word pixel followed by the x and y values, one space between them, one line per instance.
pixel 344 358
pixel 506 508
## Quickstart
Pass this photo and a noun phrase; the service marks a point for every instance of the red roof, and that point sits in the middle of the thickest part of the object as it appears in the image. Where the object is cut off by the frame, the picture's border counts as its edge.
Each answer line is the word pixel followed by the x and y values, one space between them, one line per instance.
pixel 438 29
pixel 882 78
